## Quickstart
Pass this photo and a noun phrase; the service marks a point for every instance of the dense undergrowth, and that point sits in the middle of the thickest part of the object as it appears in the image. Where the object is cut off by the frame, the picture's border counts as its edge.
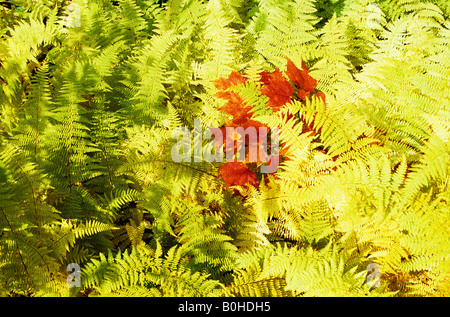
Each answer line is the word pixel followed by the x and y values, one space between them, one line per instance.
pixel 92 90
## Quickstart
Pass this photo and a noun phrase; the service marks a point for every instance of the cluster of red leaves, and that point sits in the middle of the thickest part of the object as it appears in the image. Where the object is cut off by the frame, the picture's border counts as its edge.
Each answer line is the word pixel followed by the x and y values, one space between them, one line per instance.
pixel 279 91
pixel 235 173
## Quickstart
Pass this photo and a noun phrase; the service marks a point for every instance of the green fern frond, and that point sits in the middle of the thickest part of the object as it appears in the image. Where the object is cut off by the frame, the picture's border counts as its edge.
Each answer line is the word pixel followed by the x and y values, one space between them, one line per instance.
pixel 21 49
pixel 287 30
pixel 144 268
pixel 433 167
pixel 152 64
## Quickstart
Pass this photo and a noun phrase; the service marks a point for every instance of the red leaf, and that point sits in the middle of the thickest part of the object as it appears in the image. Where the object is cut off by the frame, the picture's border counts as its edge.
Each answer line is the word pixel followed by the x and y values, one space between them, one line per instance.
pixel 277 88
pixel 232 80
pixel 237 174
pixel 236 107
pixel 301 77
pixel 303 95
pixel 265 77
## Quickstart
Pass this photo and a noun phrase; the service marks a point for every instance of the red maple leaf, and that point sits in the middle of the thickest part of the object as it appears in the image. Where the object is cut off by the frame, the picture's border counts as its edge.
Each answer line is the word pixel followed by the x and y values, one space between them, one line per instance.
pixel 265 77
pixel 300 77
pixel 277 88
pixel 235 106
pixel 237 174
pixel 232 80
pixel 303 95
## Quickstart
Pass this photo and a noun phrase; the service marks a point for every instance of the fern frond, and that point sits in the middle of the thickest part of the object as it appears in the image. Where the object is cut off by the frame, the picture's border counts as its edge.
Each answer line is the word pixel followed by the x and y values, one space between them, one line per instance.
pixel 21 50
pixel 145 269
pixel 152 64
pixel 287 30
